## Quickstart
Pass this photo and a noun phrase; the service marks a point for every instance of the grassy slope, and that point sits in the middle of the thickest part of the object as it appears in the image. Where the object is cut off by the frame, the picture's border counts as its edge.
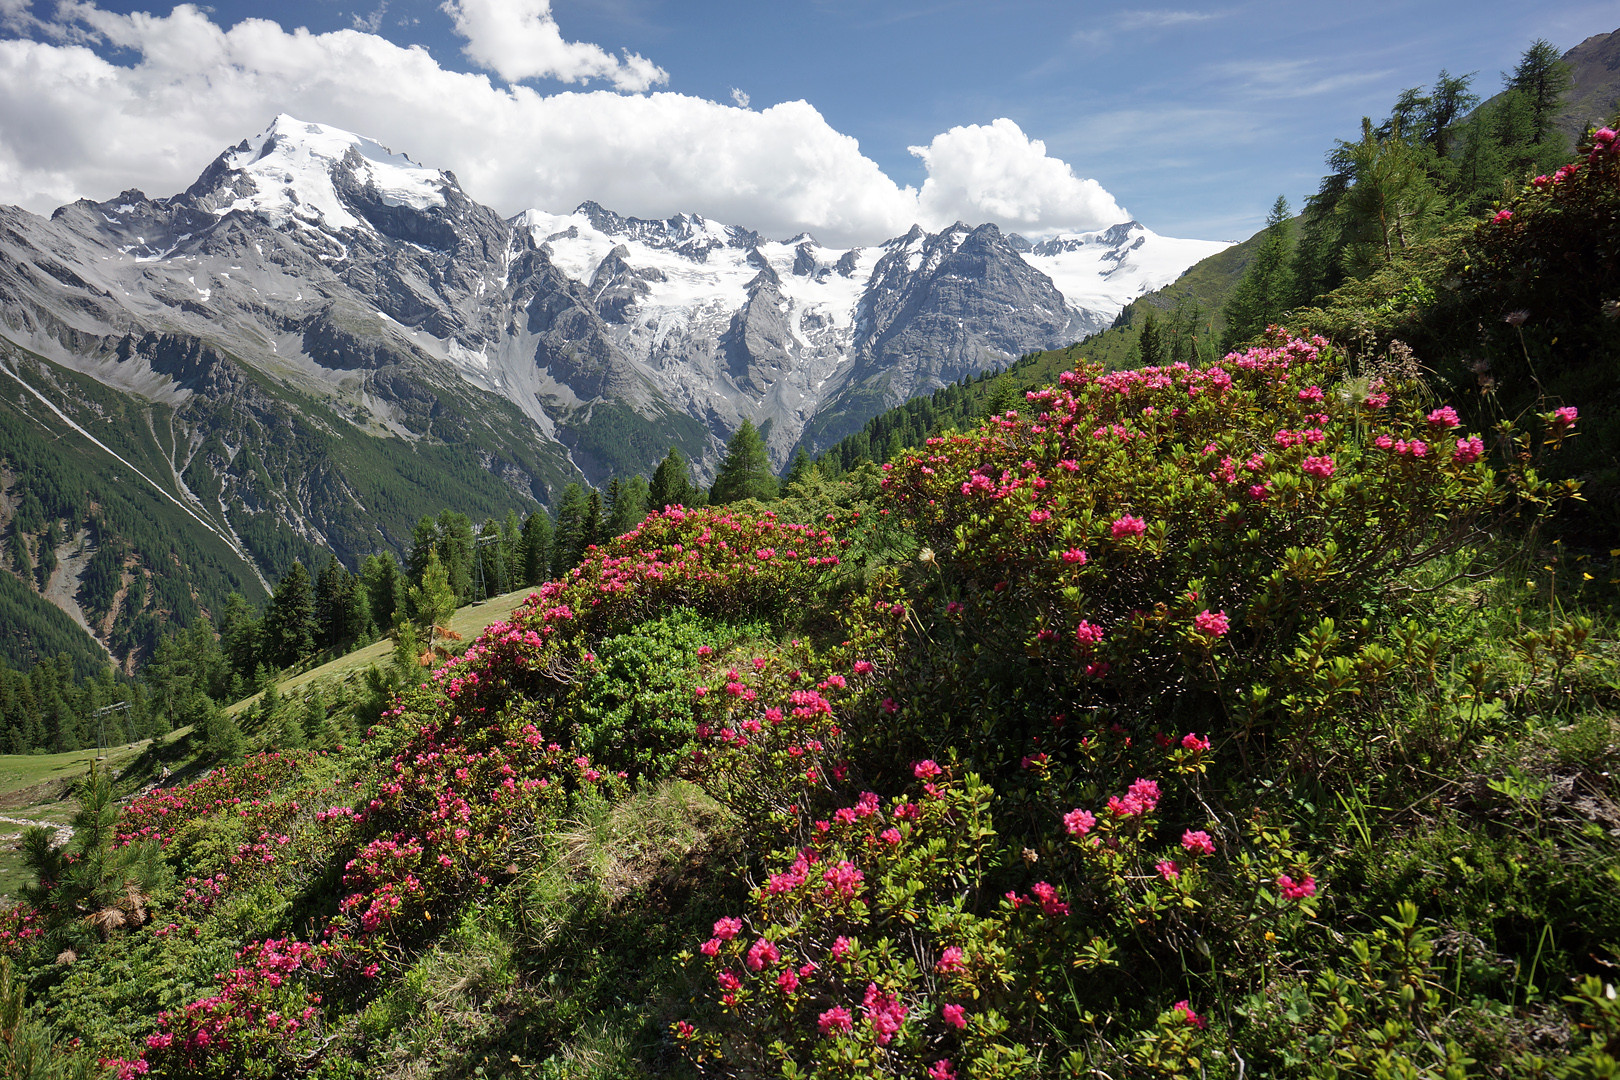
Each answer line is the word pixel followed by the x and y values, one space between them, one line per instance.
pixel 469 622
pixel 37 788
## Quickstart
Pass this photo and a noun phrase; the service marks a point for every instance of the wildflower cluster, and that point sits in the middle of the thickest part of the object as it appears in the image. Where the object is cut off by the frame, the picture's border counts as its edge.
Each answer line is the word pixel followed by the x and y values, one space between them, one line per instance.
pixel 241 790
pixel 1179 526
pixel 261 1013
pixel 879 945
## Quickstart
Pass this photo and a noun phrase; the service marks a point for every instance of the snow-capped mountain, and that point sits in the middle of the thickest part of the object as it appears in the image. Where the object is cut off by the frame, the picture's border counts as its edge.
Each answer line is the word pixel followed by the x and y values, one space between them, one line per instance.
pixel 724 320
pixel 315 262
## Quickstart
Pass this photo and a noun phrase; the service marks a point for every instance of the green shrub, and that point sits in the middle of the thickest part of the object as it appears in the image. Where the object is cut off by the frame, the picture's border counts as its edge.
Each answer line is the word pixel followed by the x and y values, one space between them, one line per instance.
pixel 631 708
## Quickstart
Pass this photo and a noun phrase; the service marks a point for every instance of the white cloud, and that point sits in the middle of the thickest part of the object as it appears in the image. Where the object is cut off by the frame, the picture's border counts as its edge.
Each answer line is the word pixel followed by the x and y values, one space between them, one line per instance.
pixel 1159 20
pixel 1132 20
pixel 995 172
pixel 372 22
pixel 519 39
pixel 740 98
pixel 78 125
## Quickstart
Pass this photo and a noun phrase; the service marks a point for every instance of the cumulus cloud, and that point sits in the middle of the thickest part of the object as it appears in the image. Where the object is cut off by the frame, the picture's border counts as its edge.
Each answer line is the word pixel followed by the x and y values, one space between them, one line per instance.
pixel 519 39
pixel 994 172
pixel 78 125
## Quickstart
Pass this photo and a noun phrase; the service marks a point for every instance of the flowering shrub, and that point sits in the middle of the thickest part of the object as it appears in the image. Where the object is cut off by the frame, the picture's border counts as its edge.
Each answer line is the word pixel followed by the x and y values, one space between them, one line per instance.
pixel 1535 318
pixel 900 936
pixel 633 707
pixel 259 1022
pixel 240 789
pixel 1216 531
pixel 1008 835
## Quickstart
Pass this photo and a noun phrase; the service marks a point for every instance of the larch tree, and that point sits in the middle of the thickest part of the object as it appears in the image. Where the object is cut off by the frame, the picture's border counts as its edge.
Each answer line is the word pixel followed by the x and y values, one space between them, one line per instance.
pixel 746 471
pixel 671 483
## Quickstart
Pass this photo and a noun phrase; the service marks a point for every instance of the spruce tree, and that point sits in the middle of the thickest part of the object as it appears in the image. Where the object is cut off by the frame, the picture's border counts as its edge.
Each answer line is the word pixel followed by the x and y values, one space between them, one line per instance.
pixel 567 540
pixel 628 507
pixel 537 548
pixel 240 635
pixel 671 483
pixel 799 469
pixel 332 602
pixel 289 624
pixel 1149 349
pixel 746 471
pixel 591 529
pixel 455 548
pixel 423 537
pixel 385 587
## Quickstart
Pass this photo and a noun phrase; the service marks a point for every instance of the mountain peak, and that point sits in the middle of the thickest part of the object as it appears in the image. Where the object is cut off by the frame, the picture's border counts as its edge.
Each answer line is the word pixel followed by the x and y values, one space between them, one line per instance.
pixel 295 169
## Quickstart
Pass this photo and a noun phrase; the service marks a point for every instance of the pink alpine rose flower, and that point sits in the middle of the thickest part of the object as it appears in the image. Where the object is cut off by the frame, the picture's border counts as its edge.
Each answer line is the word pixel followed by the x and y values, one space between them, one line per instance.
pixel 1296 890
pixel 1193 1019
pixel 835 1021
pixel 1128 525
pixel 1468 450
pixel 1079 822
pixel 1319 467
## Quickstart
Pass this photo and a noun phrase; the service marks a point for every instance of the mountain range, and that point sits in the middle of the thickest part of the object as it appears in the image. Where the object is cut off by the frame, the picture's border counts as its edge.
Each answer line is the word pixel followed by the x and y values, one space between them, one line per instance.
pixel 320 339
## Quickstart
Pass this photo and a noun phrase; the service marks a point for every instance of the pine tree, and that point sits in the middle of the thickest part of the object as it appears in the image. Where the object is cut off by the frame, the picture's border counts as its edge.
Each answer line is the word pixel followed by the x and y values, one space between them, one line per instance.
pixel 289 624
pixel 537 548
pixel 315 715
pixel 1267 285
pixel 222 734
pixel 434 601
pixel 745 473
pixel 1390 200
pixel 89 889
pixel 671 483
pixel 628 507
pixel 568 540
pixel 1543 78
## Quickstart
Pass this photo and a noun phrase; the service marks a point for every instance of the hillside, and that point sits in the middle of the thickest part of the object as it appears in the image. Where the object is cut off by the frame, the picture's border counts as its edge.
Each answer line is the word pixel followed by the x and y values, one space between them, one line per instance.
pixel 1236 715
pixel 863 790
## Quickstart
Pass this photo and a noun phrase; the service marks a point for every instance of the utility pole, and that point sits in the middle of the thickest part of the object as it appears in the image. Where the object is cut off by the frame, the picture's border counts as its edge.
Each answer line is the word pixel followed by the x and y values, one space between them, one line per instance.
pixel 480 542
pixel 101 729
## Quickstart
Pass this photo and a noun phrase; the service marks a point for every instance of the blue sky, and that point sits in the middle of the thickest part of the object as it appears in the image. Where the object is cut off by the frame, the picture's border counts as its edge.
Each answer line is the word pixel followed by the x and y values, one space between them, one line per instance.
pixel 1046 116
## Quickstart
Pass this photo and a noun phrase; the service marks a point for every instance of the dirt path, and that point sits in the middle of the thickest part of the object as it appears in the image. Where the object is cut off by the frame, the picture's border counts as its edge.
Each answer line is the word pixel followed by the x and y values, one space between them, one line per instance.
pixel 60 834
